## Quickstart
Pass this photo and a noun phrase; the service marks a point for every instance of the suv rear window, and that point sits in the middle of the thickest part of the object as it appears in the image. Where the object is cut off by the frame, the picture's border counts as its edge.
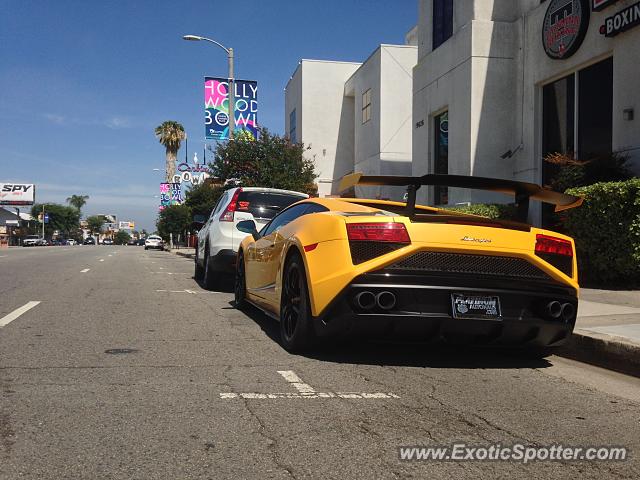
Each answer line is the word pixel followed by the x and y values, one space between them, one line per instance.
pixel 265 205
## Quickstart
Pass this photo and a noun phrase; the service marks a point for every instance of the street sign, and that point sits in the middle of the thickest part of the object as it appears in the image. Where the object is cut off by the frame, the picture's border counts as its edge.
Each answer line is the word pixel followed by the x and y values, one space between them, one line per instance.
pixel 46 218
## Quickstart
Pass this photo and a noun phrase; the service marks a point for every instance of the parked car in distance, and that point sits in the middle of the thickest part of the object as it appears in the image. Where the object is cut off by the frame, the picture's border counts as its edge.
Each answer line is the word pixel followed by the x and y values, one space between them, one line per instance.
pixel 141 242
pixel 154 241
pixel 132 241
pixel 31 241
pixel 71 241
pixel 43 242
pixel 107 241
pixel 89 241
pixel 218 239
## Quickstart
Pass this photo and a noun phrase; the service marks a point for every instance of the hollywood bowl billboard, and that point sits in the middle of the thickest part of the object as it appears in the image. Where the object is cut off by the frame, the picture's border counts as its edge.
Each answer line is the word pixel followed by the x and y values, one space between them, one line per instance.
pixel 216 108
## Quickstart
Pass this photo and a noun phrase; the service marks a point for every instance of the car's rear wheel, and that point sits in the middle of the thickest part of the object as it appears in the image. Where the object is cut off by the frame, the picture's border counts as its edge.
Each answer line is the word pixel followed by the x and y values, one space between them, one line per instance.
pixel 209 278
pixel 240 287
pixel 296 329
pixel 198 271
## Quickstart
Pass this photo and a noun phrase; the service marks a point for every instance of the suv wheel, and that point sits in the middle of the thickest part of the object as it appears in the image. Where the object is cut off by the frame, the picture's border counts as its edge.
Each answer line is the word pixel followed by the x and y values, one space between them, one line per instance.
pixel 209 277
pixel 199 271
pixel 240 288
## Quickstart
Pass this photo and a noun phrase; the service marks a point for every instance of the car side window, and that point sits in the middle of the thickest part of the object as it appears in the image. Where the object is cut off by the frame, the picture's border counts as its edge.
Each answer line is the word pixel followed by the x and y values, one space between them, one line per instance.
pixel 285 217
pixel 218 206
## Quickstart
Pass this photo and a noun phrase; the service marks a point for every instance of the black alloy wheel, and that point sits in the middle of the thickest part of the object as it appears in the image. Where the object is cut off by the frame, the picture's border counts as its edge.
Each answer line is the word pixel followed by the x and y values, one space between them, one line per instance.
pixel 296 329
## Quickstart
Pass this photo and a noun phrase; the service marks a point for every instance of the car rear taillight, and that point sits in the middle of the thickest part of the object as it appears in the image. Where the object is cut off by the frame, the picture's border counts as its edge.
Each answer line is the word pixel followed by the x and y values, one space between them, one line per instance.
pixel 378 232
pixel 227 215
pixel 558 246
pixel 555 251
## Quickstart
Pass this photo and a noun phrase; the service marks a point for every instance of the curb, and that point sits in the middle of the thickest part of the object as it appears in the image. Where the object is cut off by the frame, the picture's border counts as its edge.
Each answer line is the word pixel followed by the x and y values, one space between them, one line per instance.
pixel 607 351
pixel 185 254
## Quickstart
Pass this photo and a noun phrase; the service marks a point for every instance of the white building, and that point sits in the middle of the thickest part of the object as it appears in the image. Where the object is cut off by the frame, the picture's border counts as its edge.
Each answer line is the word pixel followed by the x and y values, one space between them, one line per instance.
pixel 354 116
pixel 518 79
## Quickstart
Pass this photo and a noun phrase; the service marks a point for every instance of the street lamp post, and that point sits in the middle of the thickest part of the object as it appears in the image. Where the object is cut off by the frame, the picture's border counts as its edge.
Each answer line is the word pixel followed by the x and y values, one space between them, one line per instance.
pixel 231 100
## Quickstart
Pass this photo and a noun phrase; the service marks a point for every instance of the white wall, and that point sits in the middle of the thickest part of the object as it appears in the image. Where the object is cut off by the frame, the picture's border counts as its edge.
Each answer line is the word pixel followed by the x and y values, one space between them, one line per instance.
pixel 318 95
pixel 489 75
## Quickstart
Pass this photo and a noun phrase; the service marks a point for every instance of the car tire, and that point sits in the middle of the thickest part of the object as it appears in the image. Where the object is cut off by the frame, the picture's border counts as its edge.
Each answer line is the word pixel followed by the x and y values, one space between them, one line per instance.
pixel 296 328
pixel 240 284
pixel 209 280
pixel 198 271
pixel 146 248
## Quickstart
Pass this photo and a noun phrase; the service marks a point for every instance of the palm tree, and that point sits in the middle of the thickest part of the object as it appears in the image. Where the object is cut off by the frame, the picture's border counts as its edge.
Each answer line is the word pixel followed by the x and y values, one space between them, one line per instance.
pixel 170 134
pixel 77 201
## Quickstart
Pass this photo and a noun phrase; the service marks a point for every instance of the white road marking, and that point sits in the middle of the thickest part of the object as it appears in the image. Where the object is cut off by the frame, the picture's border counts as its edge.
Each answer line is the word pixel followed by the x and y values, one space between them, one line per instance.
pixel 109 255
pixel 102 259
pixel 85 270
pixel 296 382
pixel 306 391
pixel 178 291
pixel 2 256
pixel 17 312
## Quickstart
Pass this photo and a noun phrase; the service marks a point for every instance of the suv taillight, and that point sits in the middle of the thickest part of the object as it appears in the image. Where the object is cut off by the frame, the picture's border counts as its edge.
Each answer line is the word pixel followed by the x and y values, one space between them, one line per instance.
pixel 227 215
pixel 556 251
pixel 378 232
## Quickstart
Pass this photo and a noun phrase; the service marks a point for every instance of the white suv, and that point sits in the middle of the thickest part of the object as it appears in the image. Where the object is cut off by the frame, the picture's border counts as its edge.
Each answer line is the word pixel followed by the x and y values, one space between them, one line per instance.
pixel 219 239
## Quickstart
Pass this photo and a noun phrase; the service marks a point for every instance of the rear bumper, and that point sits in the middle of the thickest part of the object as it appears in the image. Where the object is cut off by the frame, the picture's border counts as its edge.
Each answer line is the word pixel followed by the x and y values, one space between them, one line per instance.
pixel 224 261
pixel 423 311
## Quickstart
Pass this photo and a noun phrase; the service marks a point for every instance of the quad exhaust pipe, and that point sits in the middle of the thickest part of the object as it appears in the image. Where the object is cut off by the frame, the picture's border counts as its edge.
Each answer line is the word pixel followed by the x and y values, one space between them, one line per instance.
pixel 568 312
pixel 386 300
pixel 367 300
pixel 557 310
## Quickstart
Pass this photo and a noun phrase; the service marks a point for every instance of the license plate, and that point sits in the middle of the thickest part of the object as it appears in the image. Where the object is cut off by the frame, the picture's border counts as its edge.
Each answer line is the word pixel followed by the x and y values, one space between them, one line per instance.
pixel 475 306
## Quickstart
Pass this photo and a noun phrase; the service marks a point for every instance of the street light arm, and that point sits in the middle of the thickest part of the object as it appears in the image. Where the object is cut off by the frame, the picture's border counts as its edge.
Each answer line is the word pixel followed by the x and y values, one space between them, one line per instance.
pixel 197 37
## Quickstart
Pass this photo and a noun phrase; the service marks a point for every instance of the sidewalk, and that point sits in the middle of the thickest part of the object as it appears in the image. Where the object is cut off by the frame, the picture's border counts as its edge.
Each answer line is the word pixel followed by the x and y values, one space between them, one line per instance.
pixel 184 252
pixel 607 332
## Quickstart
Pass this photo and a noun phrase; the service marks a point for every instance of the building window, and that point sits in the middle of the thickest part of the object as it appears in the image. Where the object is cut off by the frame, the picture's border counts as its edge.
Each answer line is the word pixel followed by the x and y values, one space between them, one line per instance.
pixel 366 106
pixel 585 132
pixel 442 21
pixel 441 155
pixel 292 127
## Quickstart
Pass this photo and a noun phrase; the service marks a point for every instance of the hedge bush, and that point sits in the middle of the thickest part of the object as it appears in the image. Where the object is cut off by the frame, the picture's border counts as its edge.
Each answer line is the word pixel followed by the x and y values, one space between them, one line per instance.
pixel 606 229
pixel 489 210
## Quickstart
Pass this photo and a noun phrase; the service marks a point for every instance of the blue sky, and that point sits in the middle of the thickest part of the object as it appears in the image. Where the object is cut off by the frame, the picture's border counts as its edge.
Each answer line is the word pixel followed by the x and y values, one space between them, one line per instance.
pixel 84 83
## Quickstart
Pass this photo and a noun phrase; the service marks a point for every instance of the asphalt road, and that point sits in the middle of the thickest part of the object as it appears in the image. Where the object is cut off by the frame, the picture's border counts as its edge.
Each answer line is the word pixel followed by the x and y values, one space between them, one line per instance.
pixel 200 394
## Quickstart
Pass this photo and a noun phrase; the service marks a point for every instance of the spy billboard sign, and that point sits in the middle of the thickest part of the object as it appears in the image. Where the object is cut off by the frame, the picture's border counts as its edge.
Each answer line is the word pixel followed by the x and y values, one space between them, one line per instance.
pixel 17 194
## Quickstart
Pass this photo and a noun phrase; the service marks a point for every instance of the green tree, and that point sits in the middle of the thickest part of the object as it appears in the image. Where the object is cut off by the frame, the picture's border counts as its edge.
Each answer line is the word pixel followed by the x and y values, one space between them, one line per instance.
pixel 270 161
pixel 174 219
pixel 95 223
pixel 62 218
pixel 170 134
pixel 122 238
pixel 78 201
pixel 202 198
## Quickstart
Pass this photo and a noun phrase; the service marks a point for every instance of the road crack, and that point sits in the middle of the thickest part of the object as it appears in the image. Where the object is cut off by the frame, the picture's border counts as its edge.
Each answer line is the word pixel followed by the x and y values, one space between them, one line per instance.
pixel 272 442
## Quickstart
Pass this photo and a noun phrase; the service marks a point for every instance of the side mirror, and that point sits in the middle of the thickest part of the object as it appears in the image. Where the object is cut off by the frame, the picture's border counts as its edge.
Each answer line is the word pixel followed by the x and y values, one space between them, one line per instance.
pixel 248 226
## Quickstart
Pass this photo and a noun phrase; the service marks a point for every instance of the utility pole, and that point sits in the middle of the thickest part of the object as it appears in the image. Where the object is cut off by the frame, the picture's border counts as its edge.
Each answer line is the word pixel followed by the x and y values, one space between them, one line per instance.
pixel 43 220
pixel 232 97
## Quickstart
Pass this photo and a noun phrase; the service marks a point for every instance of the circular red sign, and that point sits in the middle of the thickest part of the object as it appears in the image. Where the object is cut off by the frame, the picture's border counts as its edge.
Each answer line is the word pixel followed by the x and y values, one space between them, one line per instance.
pixel 564 27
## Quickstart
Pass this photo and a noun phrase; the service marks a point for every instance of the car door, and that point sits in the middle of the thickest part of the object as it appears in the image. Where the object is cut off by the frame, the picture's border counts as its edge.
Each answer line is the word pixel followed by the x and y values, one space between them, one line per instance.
pixel 260 279
pixel 204 231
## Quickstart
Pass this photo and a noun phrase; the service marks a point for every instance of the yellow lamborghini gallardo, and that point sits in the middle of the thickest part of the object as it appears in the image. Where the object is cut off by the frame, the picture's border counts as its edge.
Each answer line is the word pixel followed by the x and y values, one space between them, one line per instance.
pixel 329 266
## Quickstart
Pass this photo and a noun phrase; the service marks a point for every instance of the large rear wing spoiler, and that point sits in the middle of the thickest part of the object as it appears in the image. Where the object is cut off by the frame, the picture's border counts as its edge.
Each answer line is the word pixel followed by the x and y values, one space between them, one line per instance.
pixel 521 191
